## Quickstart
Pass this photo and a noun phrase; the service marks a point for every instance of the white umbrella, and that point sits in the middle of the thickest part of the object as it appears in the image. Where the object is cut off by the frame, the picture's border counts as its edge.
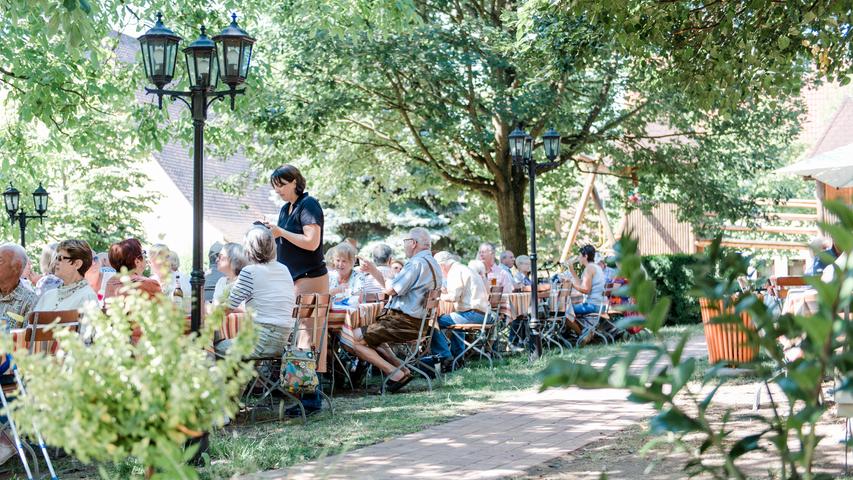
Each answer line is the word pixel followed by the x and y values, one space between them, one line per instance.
pixel 834 167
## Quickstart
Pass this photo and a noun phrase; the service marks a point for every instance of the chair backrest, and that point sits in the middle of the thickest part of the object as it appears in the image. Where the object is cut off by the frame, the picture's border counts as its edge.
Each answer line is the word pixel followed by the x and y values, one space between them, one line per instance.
pixel 791 281
pixel 495 297
pixel 48 317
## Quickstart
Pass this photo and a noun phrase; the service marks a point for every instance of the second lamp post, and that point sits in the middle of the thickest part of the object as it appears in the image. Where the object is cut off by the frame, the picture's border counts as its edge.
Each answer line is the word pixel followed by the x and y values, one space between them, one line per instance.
pixel 521 151
pixel 226 56
pixel 12 201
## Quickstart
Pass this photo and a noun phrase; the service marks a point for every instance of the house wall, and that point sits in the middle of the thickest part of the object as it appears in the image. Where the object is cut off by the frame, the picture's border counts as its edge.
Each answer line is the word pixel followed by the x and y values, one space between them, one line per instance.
pixel 171 218
pixel 659 231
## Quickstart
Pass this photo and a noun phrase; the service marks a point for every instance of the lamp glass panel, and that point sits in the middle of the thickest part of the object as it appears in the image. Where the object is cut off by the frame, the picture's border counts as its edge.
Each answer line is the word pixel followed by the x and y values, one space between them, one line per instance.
pixel 514 149
pixel 171 58
pixel 214 68
pixel 203 66
pixel 231 55
pixel 145 58
pixel 247 57
pixel 11 200
pixel 40 202
pixel 191 68
pixel 158 58
pixel 528 148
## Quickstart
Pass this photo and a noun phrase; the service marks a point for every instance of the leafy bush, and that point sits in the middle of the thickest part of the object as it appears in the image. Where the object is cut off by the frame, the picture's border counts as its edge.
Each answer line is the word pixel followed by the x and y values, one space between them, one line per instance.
pixel 673 275
pixel 112 399
pixel 789 427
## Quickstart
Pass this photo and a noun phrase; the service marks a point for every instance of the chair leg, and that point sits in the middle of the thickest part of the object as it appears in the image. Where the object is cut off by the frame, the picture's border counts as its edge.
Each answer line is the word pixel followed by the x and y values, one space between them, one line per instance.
pixel 328 400
pixel 756 403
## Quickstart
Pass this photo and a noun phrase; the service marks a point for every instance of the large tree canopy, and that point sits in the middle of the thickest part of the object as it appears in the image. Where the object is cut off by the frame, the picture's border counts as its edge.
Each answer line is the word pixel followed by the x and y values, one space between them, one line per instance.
pixel 382 101
pixel 433 104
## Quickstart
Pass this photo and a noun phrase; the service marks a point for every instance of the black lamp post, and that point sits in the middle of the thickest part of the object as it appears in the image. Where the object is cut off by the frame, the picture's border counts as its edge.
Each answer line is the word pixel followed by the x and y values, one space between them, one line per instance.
pixel 12 201
pixel 521 150
pixel 227 57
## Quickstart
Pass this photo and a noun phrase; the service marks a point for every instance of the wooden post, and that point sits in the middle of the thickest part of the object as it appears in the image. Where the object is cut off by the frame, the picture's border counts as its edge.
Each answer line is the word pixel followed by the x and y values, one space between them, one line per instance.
pixel 602 216
pixel 576 222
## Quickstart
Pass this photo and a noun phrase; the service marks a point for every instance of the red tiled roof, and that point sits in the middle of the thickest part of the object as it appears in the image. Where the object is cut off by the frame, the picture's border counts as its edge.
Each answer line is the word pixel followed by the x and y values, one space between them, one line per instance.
pixel 232 215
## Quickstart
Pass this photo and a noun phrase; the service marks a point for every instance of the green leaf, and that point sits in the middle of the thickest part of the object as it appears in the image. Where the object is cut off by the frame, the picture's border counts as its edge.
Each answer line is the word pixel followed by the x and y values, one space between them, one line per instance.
pixel 656 317
pixel 816 327
pixel 673 420
pixel 679 348
pixel 681 375
pixel 746 444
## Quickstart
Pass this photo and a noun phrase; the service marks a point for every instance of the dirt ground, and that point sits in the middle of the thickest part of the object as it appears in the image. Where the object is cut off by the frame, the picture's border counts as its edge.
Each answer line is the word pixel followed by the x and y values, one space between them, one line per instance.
pixel 619 456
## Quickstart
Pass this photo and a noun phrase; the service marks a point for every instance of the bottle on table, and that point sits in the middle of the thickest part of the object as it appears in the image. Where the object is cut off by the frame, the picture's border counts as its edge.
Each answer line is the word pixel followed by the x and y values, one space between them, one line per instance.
pixel 178 292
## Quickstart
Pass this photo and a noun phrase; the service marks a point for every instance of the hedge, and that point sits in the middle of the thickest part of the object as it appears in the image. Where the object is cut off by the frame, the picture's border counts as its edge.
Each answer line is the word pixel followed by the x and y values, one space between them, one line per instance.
pixel 674 278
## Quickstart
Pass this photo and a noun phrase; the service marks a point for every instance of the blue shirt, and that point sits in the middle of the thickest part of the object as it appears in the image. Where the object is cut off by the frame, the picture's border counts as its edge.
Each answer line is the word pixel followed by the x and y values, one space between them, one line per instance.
pixel 414 282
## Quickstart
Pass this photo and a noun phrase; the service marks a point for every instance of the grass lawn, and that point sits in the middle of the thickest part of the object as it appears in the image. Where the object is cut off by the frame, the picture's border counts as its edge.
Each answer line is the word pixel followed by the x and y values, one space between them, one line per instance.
pixel 361 419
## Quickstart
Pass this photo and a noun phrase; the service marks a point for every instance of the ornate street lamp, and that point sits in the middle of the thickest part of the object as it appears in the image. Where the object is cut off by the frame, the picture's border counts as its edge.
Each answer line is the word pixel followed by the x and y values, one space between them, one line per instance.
pixel 12 202
pixel 521 151
pixel 227 57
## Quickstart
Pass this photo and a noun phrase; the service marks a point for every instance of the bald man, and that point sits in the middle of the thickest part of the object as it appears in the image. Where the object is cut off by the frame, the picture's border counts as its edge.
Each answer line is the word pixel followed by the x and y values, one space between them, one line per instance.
pixel 15 297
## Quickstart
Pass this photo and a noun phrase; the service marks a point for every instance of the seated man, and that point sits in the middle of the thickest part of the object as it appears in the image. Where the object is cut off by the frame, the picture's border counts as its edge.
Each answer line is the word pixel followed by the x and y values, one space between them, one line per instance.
pixel 470 303
pixel 16 299
pixel 401 320
pixel 494 273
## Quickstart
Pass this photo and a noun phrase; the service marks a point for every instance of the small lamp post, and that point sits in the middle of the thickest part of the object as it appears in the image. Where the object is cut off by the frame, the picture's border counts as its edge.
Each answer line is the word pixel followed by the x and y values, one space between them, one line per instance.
pixel 227 57
pixel 12 202
pixel 521 151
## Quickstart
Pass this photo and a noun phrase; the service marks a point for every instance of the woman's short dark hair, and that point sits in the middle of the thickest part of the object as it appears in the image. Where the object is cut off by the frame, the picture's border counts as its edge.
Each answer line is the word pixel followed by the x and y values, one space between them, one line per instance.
pixel 588 251
pixel 124 254
pixel 286 174
pixel 77 250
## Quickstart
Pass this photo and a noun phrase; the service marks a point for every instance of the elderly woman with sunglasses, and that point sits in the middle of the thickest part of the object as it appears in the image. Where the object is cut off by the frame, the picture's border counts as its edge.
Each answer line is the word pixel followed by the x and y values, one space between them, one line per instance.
pixel 73 259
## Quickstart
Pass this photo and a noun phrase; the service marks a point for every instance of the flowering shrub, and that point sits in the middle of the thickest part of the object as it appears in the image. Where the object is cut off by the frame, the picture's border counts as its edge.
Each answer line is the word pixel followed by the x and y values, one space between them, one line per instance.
pixel 113 399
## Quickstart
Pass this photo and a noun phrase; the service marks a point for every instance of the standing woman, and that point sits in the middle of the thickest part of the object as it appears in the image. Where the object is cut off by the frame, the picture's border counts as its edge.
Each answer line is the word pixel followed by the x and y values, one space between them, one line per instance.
pixel 299 239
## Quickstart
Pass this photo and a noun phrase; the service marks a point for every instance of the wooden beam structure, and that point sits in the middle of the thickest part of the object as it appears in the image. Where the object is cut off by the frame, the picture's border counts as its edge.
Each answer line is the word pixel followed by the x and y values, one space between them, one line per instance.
pixel 579 211
pixel 793 217
pixel 602 217
pixel 765 244
pixel 773 229
pixel 792 203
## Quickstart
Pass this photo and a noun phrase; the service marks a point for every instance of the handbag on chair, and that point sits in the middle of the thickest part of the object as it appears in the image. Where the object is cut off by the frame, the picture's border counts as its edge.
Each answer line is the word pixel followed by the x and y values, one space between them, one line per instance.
pixel 299 369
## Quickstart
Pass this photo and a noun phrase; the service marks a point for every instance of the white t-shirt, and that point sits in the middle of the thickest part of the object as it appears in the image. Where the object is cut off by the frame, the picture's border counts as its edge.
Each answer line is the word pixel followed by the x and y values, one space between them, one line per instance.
pixel 466 289
pixel 67 297
pixel 267 289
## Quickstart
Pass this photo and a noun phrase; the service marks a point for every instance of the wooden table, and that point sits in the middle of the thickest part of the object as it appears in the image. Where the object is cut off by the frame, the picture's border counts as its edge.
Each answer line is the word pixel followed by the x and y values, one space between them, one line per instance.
pixel 516 305
pixel 362 316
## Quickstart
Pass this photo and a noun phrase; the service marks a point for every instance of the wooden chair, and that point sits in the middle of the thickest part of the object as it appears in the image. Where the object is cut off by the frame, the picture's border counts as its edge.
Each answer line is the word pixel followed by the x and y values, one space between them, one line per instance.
pixel 416 349
pixel 559 302
pixel 266 385
pixel 482 331
pixel 39 321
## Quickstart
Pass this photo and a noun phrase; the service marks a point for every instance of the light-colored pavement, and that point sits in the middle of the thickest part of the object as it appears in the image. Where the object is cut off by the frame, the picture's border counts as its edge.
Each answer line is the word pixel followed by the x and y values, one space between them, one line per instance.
pixel 505 441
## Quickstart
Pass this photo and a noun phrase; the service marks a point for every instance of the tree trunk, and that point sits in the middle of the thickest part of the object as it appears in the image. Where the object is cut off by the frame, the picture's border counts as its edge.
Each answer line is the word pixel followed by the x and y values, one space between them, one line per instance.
pixel 513 229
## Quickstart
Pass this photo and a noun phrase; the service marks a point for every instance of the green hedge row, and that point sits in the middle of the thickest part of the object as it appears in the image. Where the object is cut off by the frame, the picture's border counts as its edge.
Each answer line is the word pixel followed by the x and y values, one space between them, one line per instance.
pixel 674 278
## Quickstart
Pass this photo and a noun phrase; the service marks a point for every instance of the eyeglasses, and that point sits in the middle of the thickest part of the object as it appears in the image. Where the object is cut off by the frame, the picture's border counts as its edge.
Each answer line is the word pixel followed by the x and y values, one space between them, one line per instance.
pixel 409 240
pixel 145 254
pixel 61 258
